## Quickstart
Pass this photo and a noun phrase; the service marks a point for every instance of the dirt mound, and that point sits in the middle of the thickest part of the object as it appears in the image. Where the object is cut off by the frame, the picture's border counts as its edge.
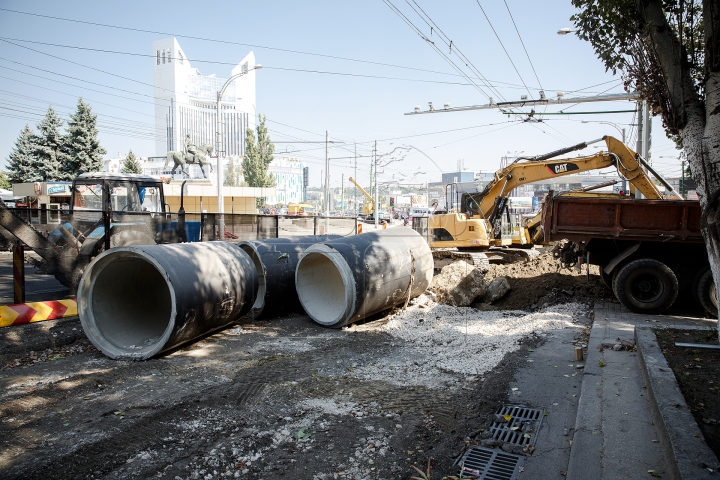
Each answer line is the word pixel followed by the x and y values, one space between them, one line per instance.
pixel 541 282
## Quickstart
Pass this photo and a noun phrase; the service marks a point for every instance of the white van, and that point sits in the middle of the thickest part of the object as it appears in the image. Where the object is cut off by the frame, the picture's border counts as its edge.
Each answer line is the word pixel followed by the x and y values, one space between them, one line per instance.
pixel 420 212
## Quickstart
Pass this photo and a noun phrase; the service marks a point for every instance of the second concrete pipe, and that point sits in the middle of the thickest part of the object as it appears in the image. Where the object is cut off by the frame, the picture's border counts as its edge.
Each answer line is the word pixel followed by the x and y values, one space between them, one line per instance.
pixel 275 261
pixel 347 279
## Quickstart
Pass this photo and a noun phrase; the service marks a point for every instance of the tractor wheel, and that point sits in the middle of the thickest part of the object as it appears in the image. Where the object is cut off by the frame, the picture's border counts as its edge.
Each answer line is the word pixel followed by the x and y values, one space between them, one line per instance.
pixel 704 291
pixel 646 286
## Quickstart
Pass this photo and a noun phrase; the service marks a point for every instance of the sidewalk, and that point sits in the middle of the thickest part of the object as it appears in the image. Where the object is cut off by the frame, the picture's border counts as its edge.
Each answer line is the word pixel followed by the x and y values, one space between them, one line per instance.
pixel 617 434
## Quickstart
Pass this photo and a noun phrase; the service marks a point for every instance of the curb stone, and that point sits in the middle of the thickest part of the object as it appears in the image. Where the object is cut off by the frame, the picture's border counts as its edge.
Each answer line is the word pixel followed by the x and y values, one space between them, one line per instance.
pixel 688 454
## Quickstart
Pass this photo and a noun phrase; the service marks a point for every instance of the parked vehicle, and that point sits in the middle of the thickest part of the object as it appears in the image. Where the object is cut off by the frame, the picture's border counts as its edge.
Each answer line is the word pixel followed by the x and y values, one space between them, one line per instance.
pixel 648 251
pixel 106 210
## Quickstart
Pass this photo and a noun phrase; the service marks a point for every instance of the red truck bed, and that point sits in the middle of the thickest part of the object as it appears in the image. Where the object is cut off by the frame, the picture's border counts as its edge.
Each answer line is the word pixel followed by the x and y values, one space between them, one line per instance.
pixel 581 218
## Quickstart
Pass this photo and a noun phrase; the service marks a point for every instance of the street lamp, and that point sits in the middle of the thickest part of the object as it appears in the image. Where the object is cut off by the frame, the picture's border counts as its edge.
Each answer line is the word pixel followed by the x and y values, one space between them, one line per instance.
pixel 218 140
pixel 565 31
pixel 618 128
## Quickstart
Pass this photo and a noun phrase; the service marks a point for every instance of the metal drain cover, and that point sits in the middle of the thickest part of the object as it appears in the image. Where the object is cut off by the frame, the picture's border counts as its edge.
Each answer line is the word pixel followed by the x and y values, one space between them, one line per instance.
pixel 521 429
pixel 489 464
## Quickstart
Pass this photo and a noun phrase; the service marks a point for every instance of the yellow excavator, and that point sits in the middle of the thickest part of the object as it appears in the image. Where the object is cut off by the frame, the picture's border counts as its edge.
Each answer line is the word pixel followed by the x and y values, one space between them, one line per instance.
pixel 480 221
pixel 369 206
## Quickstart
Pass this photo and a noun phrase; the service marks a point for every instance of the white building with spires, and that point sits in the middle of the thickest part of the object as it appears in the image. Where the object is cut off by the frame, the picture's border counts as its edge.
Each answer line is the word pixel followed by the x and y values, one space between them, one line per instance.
pixel 186 102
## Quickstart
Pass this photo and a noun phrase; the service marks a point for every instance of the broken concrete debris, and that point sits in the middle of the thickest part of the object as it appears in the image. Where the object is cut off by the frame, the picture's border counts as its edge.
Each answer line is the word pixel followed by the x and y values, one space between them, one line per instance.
pixel 459 284
pixel 497 289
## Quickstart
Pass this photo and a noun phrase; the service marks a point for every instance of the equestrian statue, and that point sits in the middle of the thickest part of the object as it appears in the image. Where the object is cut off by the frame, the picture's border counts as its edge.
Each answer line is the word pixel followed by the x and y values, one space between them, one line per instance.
pixel 192 154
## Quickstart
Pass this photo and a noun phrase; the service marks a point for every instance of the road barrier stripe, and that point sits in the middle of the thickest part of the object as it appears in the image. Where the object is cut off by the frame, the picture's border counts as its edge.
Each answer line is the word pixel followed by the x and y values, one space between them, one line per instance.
pixel 31 312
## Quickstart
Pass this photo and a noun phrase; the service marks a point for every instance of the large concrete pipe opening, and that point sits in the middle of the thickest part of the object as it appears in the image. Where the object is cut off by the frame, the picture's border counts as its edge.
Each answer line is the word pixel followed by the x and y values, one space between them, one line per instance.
pixel 275 261
pixel 132 304
pixel 347 279
pixel 325 286
pixel 136 302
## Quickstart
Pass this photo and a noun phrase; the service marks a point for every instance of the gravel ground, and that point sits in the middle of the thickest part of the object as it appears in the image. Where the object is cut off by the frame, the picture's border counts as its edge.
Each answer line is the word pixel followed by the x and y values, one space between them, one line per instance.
pixel 285 398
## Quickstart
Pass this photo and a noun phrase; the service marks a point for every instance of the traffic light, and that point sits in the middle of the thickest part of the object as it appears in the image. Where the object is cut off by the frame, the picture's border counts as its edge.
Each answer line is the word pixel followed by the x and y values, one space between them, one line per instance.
pixel 392 201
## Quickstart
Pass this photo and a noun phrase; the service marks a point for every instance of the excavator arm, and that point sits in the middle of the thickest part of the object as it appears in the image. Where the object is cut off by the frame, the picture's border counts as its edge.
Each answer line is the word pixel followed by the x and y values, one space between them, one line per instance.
pixel 490 202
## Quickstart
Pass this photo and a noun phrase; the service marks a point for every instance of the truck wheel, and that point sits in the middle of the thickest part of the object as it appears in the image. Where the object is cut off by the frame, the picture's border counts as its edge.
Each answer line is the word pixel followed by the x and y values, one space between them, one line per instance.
pixel 706 295
pixel 646 286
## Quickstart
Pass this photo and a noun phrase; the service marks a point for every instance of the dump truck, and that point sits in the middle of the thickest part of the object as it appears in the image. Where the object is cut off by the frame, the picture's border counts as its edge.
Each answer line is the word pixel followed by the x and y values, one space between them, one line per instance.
pixel 106 211
pixel 648 251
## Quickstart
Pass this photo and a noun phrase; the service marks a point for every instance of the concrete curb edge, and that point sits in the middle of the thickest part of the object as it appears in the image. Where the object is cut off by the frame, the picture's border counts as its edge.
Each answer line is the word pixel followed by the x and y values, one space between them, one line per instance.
pixel 685 448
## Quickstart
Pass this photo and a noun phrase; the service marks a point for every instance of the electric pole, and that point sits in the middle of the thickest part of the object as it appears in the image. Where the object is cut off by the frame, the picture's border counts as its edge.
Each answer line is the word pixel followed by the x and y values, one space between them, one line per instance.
pixel 355 189
pixel 377 198
pixel 327 176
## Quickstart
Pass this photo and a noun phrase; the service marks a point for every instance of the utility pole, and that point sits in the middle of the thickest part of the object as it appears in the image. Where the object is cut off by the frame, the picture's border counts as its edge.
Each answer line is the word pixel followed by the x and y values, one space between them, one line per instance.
pixel 327 176
pixel 342 193
pixel 372 164
pixel 640 137
pixel 647 153
pixel 682 180
pixel 377 197
pixel 355 189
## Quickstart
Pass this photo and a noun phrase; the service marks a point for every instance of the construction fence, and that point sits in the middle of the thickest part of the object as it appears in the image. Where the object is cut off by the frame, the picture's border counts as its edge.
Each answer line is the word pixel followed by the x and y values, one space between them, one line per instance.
pixel 174 228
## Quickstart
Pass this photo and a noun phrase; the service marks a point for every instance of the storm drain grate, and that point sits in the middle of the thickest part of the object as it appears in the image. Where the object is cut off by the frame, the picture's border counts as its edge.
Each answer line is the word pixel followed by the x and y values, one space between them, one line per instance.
pixel 489 464
pixel 522 427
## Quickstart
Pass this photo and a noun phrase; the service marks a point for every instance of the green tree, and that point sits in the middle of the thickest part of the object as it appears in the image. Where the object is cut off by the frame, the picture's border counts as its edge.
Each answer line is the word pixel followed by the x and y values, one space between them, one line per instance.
pixel 233 174
pixel 5 181
pixel 84 153
pixel 21 165
pixel 669 52
pixel 258 156
pixel 131 164
pixel 48 149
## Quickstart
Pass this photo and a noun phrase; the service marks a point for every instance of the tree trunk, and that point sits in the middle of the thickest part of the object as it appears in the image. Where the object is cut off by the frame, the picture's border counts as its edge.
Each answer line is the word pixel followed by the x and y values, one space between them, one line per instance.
pixel 701 130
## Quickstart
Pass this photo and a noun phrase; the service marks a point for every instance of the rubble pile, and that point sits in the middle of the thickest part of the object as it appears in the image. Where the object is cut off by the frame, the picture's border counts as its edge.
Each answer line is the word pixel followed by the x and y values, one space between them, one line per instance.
pixel 541 282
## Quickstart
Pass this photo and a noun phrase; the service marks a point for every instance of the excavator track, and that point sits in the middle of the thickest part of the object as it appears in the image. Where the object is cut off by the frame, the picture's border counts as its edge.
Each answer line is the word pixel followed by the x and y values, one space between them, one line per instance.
pixel 482 258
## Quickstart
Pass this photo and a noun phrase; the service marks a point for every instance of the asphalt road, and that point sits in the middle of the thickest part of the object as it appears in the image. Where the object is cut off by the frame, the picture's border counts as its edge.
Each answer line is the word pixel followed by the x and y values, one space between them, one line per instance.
pixel 38 286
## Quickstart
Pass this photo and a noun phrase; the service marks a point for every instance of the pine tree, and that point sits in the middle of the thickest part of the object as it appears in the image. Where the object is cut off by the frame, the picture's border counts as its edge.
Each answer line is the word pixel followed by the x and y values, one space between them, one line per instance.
pixel 232 174
pixel 48 152
pixel 20 162
pixel 258 157
pixel 84 153
pixel 131 164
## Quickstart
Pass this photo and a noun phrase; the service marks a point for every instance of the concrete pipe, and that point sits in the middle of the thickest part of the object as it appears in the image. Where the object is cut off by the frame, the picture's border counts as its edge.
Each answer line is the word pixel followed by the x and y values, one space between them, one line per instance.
pixel 275 261
pixel 135 302
pixel 345 280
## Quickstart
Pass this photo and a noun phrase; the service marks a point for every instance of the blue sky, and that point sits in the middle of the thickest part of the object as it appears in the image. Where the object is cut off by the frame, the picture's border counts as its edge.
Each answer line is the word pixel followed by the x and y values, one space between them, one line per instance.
pixel 345 100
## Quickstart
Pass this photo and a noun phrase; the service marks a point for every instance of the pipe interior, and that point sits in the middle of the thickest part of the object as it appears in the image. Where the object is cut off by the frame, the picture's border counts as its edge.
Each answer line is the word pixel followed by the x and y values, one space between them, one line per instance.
pixel 260 298
pixel 321 288
pixel 131 304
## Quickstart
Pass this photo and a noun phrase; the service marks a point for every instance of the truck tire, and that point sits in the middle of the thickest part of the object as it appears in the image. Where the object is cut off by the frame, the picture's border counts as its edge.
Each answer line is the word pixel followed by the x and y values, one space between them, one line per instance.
pixel 646 286
pixel 704 290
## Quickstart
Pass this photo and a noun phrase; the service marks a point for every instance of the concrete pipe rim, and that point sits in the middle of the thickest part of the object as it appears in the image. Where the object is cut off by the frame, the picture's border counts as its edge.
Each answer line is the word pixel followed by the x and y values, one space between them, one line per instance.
pixel 328 299
pixel 96 326
pixel 251 249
